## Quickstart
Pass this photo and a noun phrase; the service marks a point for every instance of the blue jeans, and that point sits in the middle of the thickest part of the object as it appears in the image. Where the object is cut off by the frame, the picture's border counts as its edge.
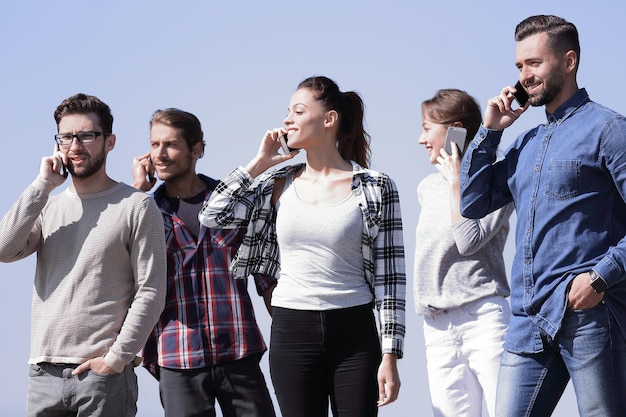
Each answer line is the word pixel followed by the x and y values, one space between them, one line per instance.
pixel 320 355
pixel 54 392
pixel 590 348
pixel 238 386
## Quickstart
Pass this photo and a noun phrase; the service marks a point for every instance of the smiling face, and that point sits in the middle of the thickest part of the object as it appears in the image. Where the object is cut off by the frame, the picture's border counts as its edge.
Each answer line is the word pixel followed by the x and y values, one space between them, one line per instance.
pixel 85 159
pixel 433 137
pixel 305 121
pixel 170 153
pixel 543 72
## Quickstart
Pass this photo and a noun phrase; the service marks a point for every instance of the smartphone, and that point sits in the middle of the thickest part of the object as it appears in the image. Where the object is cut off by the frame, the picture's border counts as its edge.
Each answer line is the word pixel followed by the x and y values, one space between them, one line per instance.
pixel 521 96
pixel 64 171
pixel 151 177
pixel 458 135
pixel 283 143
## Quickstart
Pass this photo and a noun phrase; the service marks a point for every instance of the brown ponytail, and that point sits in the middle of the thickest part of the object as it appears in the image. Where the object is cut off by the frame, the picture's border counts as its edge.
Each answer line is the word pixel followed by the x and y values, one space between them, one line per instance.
pixel 353 142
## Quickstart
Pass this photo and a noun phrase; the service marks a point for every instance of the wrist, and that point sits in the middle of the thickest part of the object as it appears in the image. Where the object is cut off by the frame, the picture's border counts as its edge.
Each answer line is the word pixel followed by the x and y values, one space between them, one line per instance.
pixel 454 182
pixel 142 186
pixel 597 282
pixel 255 167
pixel 390 357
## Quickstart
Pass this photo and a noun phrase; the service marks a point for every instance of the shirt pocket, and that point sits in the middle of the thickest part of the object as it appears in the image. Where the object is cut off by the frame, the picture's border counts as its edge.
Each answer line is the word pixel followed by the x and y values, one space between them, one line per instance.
pixel 226 237
pixel 563 178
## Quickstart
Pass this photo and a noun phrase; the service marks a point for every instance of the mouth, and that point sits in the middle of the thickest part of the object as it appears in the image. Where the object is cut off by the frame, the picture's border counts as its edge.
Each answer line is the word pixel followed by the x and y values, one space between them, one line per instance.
pixel 77 159
pixel 159 165
pixel 532 87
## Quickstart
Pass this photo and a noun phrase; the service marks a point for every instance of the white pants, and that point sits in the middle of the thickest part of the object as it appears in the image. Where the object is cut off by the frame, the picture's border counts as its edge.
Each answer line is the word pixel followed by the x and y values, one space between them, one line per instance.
pixel 463 349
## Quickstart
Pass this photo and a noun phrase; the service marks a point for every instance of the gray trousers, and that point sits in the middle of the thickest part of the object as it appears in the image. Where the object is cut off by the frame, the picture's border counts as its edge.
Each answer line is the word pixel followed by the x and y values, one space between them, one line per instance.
pixel 54 392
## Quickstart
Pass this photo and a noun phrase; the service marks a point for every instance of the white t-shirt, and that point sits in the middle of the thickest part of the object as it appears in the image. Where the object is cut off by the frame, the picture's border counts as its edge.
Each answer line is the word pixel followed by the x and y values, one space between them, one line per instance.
pixel 320 251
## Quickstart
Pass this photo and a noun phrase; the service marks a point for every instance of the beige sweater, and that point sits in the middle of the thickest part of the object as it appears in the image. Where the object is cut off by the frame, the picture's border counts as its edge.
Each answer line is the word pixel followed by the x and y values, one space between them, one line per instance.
pixel 101 270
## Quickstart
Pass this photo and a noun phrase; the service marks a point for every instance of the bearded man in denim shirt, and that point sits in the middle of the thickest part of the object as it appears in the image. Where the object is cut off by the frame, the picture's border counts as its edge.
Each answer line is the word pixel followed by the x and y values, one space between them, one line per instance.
pixel 567 179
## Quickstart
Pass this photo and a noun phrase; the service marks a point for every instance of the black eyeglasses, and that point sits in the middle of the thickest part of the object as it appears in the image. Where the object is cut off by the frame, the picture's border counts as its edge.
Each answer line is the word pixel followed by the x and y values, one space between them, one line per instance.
pixel 65 139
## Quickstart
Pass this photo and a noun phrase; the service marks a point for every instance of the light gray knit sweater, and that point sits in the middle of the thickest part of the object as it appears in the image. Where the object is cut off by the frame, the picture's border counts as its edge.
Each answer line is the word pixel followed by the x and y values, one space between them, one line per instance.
pixel 101 271
pixel 459 263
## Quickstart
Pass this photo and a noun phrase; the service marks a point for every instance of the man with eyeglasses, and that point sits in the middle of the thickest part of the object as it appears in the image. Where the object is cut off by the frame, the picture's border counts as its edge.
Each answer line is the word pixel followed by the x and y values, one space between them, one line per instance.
pixel 100 278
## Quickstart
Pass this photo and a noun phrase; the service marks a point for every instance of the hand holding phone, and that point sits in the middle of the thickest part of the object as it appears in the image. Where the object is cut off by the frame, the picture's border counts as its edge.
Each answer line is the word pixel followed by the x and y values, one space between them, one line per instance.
pixel 151 169
pixel 64 171
pixel 520 95
pixel 283 144
pixel 457 135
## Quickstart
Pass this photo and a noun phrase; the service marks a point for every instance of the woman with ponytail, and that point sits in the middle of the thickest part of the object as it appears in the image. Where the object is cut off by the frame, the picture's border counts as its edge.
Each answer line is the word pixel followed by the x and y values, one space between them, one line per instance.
pixel 330 229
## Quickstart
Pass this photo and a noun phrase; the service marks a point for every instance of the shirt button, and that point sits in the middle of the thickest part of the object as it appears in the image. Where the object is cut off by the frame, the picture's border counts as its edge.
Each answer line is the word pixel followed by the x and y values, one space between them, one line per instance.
pixel 536 168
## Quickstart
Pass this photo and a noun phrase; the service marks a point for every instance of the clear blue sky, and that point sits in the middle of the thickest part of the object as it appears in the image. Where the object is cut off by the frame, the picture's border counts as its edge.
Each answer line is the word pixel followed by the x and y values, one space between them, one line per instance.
pixel 235 64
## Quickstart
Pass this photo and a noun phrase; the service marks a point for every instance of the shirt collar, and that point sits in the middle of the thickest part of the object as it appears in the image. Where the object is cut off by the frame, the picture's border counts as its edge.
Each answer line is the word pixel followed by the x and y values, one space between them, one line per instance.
pixel 569 107
pixel 159 193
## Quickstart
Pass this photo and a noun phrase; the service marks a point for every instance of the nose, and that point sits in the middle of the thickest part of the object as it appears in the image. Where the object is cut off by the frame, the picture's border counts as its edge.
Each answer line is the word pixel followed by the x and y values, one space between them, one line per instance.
pixel 157 151
pixel 76 142
pixel 422 139
pixel 287 120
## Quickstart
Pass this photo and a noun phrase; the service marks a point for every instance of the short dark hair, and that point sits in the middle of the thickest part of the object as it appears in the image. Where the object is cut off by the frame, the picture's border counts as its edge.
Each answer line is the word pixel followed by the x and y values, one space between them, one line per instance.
pixel 187 123
pixel 84 104
pixel 562 35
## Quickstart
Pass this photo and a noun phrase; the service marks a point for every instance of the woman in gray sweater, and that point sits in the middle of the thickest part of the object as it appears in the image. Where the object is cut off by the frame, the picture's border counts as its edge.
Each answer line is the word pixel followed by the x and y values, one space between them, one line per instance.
pixel 460 281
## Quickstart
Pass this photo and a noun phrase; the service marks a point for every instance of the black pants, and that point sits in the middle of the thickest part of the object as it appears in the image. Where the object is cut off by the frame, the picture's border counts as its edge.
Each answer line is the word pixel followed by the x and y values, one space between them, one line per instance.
pixel 238 386
pixel 320 355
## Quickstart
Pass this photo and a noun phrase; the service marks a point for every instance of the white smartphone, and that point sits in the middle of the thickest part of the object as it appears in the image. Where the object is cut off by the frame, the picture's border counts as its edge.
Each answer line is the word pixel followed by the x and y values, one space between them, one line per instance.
pixel 458 135
pixel 283 143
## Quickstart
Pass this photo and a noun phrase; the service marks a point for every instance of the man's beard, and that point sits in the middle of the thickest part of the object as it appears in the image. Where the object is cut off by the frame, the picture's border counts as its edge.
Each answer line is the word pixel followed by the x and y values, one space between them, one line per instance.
pixel 180 172
pixel 551 88
pixel 93 165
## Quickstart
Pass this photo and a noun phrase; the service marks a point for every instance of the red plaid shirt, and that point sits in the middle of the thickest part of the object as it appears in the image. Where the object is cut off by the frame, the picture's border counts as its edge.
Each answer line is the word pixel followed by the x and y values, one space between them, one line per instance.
pixel 208 317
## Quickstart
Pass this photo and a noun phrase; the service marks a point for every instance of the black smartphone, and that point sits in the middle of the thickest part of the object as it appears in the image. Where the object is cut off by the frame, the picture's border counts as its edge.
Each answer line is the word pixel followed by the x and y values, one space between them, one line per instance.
pixel 520 95
pixel 64 171
pixel 151 177
pixel 283 143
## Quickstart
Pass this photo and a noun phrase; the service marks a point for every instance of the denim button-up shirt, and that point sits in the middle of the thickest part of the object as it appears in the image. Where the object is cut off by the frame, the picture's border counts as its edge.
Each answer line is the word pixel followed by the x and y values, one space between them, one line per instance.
pixel 568 181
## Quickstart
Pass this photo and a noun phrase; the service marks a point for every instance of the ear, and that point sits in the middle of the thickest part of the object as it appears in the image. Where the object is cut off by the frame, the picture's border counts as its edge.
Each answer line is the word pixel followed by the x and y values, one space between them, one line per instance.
pixel 571 60
pixel 197 150
pixel 110 142
pixel 332 118
pixel 457 124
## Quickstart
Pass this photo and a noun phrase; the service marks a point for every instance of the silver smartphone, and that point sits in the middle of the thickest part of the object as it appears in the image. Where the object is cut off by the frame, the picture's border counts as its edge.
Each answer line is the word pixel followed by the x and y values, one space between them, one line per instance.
pixel 456 135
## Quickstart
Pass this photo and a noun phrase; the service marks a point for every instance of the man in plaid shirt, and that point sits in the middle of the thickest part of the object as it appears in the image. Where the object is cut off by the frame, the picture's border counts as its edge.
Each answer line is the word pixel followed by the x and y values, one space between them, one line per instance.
pixel 207 344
